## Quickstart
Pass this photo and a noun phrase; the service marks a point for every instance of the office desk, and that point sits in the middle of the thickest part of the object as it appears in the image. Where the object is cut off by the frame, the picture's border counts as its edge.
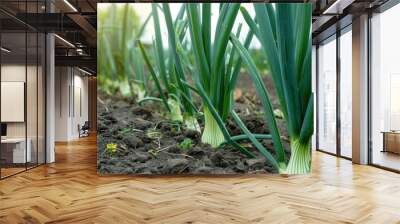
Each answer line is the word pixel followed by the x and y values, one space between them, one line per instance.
pixel 17 150
pixel 391 141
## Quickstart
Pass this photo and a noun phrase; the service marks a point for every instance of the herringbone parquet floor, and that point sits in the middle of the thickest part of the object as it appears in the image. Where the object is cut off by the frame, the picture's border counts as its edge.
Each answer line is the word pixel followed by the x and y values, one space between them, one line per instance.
pixel 70 191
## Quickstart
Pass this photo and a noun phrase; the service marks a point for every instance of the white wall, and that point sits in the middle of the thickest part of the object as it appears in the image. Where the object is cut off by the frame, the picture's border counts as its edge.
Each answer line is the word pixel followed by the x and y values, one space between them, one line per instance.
pixel 14 73
pixel 360 89
pixel 71 94
pixel 62 81
pixel 82 82
pixel 50 95
pixel 33 126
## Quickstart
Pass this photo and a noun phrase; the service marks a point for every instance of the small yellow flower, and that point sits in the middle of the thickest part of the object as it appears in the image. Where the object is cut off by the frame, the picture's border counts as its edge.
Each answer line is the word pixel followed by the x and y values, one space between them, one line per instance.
pixel 111 147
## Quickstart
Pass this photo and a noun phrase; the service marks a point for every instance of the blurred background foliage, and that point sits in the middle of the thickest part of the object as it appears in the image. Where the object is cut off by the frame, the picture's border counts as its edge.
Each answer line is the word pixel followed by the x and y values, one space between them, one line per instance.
pixel 121 67
pixel 118 29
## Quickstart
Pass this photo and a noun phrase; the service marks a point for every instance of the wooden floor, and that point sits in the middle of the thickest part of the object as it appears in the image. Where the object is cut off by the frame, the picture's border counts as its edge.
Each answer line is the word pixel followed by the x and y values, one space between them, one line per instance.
pixel 5 172
pixel 70 191
pixel 386 159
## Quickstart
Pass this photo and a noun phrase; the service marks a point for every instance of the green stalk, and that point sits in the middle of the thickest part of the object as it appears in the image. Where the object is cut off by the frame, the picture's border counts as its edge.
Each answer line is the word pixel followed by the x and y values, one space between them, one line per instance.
pixel 245 137
pixel 159 49
pixel 300 159
pixel 293 38
pixel 284 31
pixel 264 97
pixel 207 102
pixel 213 70
pixel 212 134
pixel 154 76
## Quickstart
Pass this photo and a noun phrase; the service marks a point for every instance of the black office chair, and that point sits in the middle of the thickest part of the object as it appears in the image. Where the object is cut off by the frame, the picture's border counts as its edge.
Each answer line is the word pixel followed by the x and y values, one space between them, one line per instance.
pixel 84 130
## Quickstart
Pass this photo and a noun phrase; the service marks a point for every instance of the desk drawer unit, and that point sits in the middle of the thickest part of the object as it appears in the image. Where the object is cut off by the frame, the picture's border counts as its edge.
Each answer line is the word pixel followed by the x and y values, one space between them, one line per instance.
pixel 391 142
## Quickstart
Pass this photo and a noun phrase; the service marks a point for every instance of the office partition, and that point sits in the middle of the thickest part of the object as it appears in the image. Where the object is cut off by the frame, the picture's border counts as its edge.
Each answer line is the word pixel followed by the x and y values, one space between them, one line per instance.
pixel 22 77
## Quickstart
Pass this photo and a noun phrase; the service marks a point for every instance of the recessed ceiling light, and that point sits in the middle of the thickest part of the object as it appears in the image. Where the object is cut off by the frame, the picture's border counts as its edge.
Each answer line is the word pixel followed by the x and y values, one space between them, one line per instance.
pixel 64 40
pixel 338 6
pixel 70 5
pixel 333 6
pixel 5 50
pixel 84 71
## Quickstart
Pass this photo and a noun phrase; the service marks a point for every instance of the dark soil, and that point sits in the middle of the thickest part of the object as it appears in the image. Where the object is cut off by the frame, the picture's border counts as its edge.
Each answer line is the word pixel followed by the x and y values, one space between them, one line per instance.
pixel 149 144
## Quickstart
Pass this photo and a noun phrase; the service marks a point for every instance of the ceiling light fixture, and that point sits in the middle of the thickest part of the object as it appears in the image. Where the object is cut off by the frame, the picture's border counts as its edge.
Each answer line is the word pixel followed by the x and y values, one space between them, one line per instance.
pixel 5 50
pixel 80 51
pixel 84 71
pixel 70 5
pixel 65 41
pixel 337 7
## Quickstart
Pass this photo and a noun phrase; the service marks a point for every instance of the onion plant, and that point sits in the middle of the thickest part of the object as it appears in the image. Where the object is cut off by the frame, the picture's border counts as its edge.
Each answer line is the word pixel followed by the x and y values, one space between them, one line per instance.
pixel 284 33
pixel 120 66
pixel 217 65
pixel 170 70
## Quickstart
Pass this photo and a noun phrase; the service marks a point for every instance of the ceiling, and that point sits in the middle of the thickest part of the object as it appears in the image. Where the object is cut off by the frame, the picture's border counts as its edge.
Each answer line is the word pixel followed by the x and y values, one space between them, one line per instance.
pixel 75 22
pixel 332 15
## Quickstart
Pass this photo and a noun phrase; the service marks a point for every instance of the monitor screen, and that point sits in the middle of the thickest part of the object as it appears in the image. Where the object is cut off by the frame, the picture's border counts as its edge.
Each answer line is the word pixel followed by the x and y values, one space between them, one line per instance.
pixel 3 129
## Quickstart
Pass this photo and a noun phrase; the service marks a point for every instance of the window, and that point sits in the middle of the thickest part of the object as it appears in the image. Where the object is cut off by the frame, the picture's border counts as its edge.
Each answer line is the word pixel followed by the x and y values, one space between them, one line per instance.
pixel 346 93
pixel 327 96
pixel 385 89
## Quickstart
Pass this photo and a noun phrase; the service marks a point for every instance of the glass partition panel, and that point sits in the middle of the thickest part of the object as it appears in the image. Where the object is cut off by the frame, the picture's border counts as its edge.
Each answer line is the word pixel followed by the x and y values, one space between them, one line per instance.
pixel 346 93
pixel 327 96
pixel 14 153
pixel 22 88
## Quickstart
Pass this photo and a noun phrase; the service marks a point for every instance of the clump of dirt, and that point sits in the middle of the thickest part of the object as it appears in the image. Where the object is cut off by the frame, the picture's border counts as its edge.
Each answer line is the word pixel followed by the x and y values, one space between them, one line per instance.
pixel 147 143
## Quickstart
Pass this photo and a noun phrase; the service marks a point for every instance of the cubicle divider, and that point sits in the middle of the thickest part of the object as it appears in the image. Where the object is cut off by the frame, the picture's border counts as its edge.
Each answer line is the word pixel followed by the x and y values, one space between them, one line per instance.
pixel 22 95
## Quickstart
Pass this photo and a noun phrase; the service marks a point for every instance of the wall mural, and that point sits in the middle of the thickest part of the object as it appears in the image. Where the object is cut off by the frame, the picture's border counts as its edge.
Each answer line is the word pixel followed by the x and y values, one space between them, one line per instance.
pixel 204 88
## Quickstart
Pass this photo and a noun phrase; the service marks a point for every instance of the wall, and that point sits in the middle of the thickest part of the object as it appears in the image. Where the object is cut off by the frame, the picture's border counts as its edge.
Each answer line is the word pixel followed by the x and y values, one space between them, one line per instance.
pixel 17 73
pixel 33 127
pixel 360 90
pixel 79 103
pixel 71 102
pixel 62 81
pixel 50 96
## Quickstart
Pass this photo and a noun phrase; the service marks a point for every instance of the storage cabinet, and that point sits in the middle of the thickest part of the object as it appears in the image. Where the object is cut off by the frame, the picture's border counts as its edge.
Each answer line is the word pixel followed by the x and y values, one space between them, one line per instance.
pixel 391 142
